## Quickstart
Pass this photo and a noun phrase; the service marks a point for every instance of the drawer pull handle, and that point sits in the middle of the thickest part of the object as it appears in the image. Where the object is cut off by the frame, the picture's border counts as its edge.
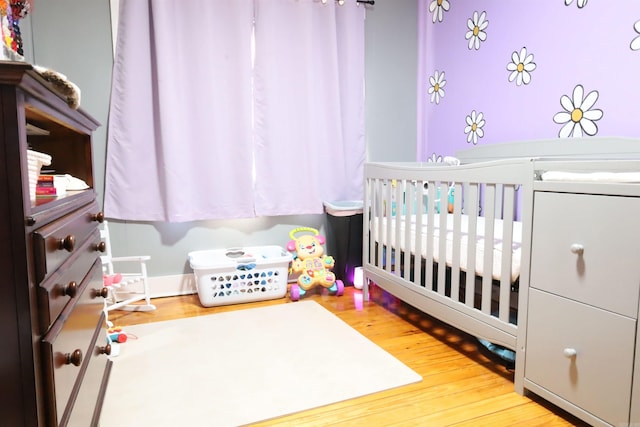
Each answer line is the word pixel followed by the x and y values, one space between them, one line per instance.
pixel 104 292
pixel 99 217
pixel 68 243
pixel 106 349
pixel 74 358
pixel 101 247
pixel 577 249
pixel 71 290
pixel 570 352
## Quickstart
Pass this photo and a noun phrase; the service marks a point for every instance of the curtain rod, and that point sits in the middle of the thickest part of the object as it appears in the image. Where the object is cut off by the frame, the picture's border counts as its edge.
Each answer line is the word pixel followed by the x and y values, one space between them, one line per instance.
pixel 341 2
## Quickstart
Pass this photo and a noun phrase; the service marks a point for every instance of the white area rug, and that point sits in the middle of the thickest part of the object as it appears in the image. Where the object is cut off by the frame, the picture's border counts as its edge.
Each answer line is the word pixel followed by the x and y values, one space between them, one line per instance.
pixel 239 367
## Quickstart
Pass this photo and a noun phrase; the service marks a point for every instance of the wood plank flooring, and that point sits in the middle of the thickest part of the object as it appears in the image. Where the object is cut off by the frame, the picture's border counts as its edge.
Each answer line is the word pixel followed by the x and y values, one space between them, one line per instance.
pixel 461 385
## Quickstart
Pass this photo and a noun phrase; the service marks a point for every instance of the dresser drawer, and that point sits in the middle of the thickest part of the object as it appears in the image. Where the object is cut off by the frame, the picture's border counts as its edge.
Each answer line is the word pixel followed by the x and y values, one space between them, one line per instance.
pixel 63 285
pixel 87 407
pixel 598 377
pixel 54 243
pixel 70 340
pixel 581 249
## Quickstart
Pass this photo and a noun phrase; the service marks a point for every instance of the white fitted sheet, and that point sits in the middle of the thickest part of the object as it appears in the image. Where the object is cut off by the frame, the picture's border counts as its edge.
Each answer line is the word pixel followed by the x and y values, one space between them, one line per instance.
pixel 379 235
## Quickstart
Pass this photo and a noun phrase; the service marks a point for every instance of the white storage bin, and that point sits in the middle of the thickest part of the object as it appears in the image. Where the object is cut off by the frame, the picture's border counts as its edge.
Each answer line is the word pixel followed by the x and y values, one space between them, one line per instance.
pixel 229 276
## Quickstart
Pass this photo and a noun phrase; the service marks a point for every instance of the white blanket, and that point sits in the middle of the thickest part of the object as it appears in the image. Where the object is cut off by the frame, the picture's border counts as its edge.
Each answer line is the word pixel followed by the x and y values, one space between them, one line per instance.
pixel 498 252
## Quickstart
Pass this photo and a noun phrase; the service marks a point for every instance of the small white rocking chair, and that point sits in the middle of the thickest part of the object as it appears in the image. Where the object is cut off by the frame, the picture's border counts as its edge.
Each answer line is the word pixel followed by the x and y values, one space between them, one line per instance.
pixel 132 287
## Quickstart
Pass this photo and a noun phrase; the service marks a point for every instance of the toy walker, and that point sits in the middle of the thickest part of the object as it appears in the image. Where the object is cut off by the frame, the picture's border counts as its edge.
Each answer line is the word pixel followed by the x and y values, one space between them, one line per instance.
pixel 310 262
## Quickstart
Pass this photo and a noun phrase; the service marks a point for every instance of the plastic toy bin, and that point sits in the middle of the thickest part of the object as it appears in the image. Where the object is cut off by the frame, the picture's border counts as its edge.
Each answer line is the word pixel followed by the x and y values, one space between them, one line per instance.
pixel 230 276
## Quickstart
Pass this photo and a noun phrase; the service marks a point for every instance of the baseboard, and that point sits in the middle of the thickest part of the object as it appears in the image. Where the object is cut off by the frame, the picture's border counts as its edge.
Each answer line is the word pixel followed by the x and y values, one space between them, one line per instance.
pixel 168 286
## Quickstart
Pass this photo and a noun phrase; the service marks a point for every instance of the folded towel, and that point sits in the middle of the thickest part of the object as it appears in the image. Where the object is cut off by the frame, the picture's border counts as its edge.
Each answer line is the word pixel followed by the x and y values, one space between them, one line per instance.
pixel 620 177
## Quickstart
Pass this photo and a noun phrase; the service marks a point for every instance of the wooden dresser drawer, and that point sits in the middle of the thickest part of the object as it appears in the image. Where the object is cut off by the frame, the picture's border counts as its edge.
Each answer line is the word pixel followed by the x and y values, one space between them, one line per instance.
pixel 88 403
pixel 581 247
pixel 63 285
pixel 54 243
pixel 598 377
pixel 71 339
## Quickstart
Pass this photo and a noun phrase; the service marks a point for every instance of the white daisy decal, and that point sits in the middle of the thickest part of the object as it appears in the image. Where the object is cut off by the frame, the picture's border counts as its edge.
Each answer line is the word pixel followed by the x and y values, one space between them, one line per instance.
pixel 477 26
pixel 521 66
pixel 436 84
pixel 475 123
pixel 578 117
pixel 581 3
pixel 434 158
pixel 437 8
pixel 635 43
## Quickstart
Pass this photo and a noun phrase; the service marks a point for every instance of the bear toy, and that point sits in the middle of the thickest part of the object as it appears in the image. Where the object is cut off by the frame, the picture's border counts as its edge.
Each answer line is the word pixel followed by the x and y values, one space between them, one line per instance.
pixel 312 265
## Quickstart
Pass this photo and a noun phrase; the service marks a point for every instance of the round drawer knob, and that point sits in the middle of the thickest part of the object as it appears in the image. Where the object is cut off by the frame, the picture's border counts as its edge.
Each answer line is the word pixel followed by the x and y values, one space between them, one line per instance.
pixel 106 349
pixel 74 358
pixel 71 290
pixel 570 352
pixel 68 243
pixel 577 249
pixel 101 247
pixel 99 217
pixel 103 292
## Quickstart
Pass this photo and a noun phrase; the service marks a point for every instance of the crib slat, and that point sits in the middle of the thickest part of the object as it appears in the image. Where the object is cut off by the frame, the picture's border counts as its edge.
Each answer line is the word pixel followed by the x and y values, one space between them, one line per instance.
pixel 457 239
pixel 489 236
pixel 387 234
pixel 407 209
pixel 372 211
pixel 399 191
pixel 509 205
pixel 472 237
pixel 428 271
pixel 442 249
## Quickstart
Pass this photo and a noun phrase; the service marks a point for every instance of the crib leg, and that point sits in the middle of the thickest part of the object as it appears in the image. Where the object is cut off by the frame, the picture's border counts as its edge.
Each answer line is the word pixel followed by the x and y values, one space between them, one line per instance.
pixel 365 289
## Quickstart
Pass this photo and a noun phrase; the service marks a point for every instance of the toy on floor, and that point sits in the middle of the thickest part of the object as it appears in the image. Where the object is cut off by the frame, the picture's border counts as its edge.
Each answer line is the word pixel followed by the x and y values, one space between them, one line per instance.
pixel 311 263
pixel 116 335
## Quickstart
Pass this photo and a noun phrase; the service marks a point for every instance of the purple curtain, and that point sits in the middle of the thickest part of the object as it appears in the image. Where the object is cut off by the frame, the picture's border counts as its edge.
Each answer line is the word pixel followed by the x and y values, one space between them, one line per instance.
pixel 181 140
pixel 309 105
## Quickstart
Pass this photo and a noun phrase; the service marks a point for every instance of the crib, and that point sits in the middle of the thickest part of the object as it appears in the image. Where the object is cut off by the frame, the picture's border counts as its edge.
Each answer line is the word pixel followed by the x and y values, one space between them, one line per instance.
pixel 450 240
pixel 454 240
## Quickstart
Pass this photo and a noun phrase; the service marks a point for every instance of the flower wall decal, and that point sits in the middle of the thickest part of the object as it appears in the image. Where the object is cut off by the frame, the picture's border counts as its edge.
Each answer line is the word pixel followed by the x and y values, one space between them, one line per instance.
pixel 437 8
pixel 578 117
pixel 538 55
pixel 580 3
pixel 477 26
pixel 474 128
pixel 521 66
pixel 435 158
pixel 635 43
pixel 436 85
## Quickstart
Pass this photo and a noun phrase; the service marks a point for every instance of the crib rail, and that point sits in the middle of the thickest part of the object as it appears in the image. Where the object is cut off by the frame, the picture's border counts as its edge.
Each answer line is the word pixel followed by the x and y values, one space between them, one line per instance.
pixel 448 239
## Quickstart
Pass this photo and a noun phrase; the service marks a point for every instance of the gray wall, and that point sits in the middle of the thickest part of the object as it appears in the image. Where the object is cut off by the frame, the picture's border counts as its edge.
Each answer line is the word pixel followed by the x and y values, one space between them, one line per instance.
pixel 391 47
pixel 74 38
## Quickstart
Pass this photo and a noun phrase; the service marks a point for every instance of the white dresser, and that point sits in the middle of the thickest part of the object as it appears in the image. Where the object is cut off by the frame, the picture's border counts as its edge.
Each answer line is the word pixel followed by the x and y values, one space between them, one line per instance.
pixel 581 333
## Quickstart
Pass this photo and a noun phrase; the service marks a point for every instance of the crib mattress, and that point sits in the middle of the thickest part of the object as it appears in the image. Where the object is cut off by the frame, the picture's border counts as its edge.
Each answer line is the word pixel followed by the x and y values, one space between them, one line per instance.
pixel 378 233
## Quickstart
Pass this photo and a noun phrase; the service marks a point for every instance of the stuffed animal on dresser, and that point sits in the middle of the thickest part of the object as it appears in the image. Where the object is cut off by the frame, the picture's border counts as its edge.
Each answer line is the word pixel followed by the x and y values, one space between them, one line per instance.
pixel 62 85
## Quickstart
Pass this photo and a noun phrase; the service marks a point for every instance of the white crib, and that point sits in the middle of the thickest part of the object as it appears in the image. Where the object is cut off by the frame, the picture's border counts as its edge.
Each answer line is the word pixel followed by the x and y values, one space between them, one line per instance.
pixel 456 241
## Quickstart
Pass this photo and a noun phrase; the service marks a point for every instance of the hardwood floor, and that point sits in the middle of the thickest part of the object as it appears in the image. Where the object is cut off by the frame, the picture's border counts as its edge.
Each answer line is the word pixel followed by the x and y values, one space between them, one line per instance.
pixel 461 386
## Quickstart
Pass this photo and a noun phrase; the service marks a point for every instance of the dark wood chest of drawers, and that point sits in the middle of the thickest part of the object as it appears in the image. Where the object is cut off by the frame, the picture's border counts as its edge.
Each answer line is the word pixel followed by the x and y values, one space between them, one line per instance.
pixel 54 364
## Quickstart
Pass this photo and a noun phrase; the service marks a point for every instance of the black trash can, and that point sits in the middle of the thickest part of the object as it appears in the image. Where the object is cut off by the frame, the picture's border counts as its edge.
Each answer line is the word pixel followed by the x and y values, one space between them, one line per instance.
pixel 344 237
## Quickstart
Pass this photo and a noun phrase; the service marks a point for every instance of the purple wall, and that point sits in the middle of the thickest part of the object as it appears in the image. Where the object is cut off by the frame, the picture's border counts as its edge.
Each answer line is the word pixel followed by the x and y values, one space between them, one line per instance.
pixel 594 45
